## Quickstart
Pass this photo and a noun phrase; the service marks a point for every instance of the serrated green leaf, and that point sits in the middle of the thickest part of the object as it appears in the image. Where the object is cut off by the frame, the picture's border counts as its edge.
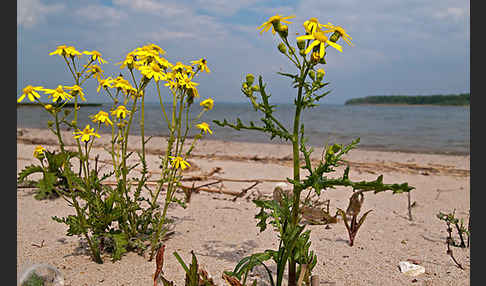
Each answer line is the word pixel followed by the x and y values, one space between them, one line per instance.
pixel 29 170
pixel 120 242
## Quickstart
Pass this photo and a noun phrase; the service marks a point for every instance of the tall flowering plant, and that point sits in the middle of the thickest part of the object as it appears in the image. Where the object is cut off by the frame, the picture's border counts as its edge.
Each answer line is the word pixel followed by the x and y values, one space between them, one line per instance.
pixel 285 213
pixel 122 218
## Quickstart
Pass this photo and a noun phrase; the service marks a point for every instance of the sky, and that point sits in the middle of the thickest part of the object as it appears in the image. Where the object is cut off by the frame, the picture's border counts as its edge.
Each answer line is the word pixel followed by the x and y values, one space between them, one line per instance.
pixel 414 47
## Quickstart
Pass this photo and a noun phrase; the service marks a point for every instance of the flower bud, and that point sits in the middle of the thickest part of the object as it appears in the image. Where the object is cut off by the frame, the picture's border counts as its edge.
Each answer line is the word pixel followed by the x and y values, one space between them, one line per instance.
pixel 302 53
pixel 322 60
pixel 190 98
pixel 320 74
pixel 276 25
pixel 283 31
pixel 282 48
pixel 312 74
pixel 67 112
pixel 301 44
pixel 245 86
pixel 250 79
pixel 255 88
pixel 50 123
pixel 335 37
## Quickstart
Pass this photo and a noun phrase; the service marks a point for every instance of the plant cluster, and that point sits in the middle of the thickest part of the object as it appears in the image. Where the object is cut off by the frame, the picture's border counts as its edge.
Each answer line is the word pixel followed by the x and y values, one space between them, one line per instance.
pixel 294 254
pixel 123 217
pixel 450 219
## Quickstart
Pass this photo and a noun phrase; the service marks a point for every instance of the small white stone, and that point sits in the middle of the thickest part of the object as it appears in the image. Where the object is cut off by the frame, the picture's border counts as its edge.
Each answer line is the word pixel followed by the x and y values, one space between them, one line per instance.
pixel 410 268
pixel 281 185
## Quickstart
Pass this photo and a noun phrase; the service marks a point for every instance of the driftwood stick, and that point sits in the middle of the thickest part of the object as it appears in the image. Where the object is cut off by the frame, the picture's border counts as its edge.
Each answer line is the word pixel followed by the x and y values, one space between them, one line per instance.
pixel 409 207
pixel 244 191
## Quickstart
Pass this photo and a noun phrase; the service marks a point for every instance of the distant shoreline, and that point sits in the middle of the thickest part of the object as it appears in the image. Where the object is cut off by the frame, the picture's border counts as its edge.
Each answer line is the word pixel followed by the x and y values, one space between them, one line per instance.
pixel 463 99
pixel 407 104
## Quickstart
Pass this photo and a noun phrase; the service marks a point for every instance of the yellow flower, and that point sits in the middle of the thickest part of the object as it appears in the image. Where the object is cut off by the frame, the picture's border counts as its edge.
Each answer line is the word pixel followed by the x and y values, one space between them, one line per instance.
pixel 39 152
pixel 58 93
pixel 204 128
pixel 312 25
pixel 95 55
pixel 207 104
pixel 48 106
pixel 123 84
pixel 66 51
pixel 102 117
pixel 163 62
pixel 86 133
pixel 129 61
pixel 120 112
pixel 94 71
pixel 181 68
pixel 203 65
pixel 76 90
pixel 172 81
pixel 154 47
pixel 178 162
pixel 104 83
pixel 147 54
pixel 60 50
pixel 186 81
pixel 152 70
pixel 273 22
pixel 340 31
pixel 71 51
pixel 31 92
pixel 320 39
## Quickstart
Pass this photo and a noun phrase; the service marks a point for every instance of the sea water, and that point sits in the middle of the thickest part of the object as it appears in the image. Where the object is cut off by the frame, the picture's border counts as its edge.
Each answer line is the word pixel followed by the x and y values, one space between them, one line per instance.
pixel 409 128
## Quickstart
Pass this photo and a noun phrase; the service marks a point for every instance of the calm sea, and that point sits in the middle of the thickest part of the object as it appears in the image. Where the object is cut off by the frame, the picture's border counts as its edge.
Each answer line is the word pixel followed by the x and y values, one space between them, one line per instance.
pixel 430 129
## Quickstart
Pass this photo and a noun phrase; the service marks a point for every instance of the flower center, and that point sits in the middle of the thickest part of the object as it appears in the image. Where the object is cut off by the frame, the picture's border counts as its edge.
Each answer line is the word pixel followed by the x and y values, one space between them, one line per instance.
pixel 59 89
pixel 320 37
pixel 155 68
pixel 274 19
pixel 28 89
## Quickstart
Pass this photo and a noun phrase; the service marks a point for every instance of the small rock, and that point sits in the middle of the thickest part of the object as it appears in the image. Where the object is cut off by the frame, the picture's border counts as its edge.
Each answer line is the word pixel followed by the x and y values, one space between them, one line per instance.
pixel 410 268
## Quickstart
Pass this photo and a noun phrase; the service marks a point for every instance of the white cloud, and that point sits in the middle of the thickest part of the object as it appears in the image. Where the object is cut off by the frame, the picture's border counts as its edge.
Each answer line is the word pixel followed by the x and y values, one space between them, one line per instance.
pixel 101 15
pixel 161 8
pixel 32 12
pixel 164 34
pixel 224 7
pixel 453 13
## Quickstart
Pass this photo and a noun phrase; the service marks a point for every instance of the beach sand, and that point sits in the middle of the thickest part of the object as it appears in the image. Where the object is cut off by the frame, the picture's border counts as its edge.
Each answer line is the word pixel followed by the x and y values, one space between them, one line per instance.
pixel 221 230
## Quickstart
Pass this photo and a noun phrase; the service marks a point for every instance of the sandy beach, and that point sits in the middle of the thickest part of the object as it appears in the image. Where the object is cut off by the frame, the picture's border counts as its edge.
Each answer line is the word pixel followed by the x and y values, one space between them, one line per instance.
pixel 221 229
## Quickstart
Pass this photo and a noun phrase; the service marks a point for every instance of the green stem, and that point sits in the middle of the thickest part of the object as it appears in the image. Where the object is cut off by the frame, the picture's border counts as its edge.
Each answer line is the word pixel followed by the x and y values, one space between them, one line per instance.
pixel 58 131
pixel 296 160
pixel 82 221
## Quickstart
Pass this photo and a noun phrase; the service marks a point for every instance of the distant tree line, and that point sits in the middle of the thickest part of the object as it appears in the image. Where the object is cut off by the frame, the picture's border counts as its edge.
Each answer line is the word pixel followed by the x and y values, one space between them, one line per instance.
pixel 439 99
